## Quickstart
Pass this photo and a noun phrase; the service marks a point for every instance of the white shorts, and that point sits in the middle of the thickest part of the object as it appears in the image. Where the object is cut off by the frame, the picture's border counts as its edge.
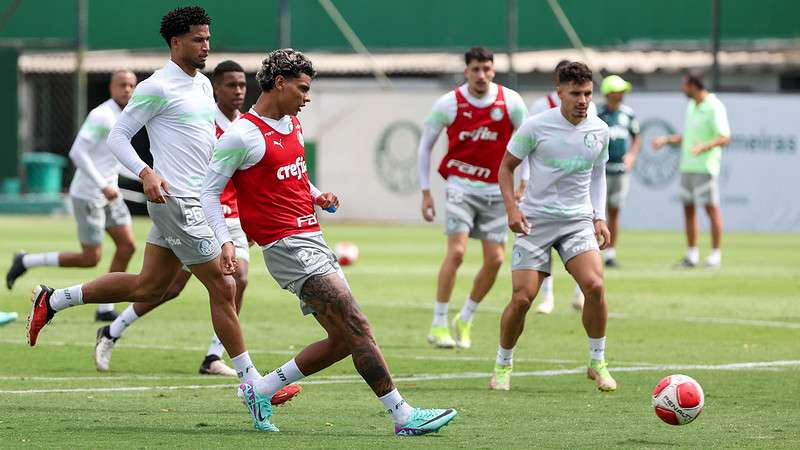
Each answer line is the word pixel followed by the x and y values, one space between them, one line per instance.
pixel 239 239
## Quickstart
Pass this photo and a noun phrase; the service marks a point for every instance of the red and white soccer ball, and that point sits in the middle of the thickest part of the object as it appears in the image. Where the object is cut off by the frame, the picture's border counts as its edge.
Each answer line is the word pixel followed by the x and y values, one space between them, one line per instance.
pixel 346 252
pixel 678 399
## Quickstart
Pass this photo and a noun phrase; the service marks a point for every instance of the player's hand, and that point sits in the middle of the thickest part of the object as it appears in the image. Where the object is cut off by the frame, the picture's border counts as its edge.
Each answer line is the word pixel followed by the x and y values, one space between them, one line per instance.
pixel 110 193
pixel 227 259
pixel 697 149
pixel 517 222
pixel 628 160
pixel 428 211
pixel 153 185
pixel 602 234
pixel 659 142
pixel 520 191
pixel 327 201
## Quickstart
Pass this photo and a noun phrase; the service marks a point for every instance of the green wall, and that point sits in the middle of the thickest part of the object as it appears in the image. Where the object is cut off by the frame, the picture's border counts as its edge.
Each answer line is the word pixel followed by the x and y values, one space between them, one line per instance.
pixel 412 24
pixel 8 113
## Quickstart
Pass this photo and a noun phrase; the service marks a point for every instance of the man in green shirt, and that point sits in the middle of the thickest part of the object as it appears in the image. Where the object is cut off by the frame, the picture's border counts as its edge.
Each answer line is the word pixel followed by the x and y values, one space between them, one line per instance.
pixel 706 130
pixel 623 146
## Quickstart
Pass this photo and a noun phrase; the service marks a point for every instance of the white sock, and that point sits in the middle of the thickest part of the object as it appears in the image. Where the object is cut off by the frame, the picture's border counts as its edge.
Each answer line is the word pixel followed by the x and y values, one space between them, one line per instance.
pixel 597 348
pixel 693 254
pixel 216 347
pixel 122 322
pixel 40 259
pixel 285 375
pixel 397 407
pixel 468 310
pixel 440 315
pixel 105 307
pixel 505 356
pixel 244 368
pixel 547 287
pixel 578 291
pixel 64 298
pixel 715 257
pixel 610 253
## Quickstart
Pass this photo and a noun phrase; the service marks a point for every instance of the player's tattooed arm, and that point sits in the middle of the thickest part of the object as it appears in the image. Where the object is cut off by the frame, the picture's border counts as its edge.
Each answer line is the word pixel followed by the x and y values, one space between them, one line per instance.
pixel 330 298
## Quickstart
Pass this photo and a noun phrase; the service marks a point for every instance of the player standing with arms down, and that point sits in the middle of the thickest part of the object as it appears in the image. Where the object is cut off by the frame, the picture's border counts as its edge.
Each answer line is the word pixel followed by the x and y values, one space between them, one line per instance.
pixel 263 153
pixel 563 208
pixel 623 147
pixel 705 131
pixel 480 117
pixel 547 298
pixel 177 107
pixel 96 202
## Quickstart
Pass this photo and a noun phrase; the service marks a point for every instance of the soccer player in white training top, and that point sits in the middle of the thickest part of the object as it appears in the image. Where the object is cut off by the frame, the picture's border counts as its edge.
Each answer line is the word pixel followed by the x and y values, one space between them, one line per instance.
pixel 176 105
pixel 552 100
pixel 564 208
pixel 263 153
pixel 96 201
pixel 480 117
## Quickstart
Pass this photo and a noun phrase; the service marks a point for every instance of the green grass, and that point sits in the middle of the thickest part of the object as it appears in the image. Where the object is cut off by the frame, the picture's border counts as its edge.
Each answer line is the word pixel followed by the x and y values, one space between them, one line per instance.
pixel 749 311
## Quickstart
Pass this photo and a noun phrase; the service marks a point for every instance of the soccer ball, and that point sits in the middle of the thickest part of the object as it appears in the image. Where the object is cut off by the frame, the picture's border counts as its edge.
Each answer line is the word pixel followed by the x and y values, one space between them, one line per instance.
pixel 346 252
pixel 678 399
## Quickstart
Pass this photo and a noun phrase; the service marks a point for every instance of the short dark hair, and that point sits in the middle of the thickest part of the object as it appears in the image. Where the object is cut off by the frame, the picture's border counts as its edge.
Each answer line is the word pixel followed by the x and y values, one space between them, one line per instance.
pixel 225 67
pixel 179 21
pixel 576 72
pixel 286 62
pixel 480 54
pixel 695 78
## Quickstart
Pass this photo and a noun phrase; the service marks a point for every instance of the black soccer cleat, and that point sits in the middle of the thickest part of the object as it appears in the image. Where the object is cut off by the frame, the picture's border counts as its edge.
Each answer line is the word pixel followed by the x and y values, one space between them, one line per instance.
pixel 105 316
pixel 612 263
pixel 17 270
pixel 685 263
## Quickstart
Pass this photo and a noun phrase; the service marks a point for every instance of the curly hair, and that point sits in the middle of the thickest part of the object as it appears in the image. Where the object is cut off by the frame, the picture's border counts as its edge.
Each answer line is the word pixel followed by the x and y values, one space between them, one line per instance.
pixel 286 62
pixel 576 72
pixel 179 21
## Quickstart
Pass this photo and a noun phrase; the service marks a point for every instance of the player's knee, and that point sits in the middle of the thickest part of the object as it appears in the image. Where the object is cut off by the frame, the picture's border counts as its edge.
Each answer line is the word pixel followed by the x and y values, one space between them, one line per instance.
pixel 241 281
pixel 493 262
pixel 126 250
pixel 522 299
pixel 593 289
pixel 90 257
pixel 456 255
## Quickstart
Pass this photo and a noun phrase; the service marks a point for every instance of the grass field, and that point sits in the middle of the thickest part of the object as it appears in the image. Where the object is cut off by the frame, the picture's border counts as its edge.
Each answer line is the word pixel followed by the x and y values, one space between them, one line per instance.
pixel 735 330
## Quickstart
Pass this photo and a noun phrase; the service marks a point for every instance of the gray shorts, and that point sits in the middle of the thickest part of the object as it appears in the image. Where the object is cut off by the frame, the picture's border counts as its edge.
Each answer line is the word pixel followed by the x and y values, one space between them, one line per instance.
pixel 180 225
pixel 482 217
pixel 699 188
pixel 570 237
pixel 295 259
pixel 617 189
pixel 239 239
pixel 94 219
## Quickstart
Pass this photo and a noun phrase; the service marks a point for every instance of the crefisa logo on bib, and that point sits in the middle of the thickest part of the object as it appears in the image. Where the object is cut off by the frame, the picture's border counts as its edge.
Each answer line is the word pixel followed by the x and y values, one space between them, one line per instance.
pixel 496 114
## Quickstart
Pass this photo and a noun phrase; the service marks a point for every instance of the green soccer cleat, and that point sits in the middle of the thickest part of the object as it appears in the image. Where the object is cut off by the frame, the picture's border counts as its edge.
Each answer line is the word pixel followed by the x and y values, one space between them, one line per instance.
pixel 501 378
pixel 461 331
pixel 598 371
pixel 259 407
pixel 440 337
pixel 7 317
pixel 424 421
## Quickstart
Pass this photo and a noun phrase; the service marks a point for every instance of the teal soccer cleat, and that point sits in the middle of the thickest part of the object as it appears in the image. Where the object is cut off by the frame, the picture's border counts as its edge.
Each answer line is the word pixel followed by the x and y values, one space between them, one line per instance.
pixel 424 421
pixel 259 407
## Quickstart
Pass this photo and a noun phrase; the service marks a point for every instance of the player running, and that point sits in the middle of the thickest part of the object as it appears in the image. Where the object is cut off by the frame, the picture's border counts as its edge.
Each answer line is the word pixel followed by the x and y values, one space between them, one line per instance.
pixel 480 117
pixel 263 154
pixel 623 147
pixel 229 88
pixel 177 107
pixel 96 201
pixel 550 101
pixel 563 208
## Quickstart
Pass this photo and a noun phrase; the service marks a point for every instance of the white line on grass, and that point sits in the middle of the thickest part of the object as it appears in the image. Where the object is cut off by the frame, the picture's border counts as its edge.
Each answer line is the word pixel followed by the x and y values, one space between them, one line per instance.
pixel 715 320
pixel 428 377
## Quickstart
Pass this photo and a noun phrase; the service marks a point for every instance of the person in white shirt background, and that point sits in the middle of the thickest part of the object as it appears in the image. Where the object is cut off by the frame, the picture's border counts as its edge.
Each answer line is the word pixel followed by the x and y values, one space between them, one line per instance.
pixel 95 197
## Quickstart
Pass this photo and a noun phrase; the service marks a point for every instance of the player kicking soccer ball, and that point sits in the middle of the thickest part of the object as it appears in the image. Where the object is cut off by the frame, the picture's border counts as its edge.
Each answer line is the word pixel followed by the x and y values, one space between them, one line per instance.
pixel 563 208
pixel 263 153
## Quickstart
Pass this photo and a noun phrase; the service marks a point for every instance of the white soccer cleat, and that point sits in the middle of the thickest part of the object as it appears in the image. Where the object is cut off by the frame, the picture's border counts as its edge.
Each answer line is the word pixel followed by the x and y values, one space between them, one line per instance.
pixel 104 346
pixel 546 305
pixel 577 300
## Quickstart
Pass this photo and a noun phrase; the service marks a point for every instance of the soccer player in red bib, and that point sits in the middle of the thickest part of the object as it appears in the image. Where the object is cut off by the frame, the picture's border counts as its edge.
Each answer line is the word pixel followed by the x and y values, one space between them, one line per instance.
pixel 480 117
pixel 263 154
